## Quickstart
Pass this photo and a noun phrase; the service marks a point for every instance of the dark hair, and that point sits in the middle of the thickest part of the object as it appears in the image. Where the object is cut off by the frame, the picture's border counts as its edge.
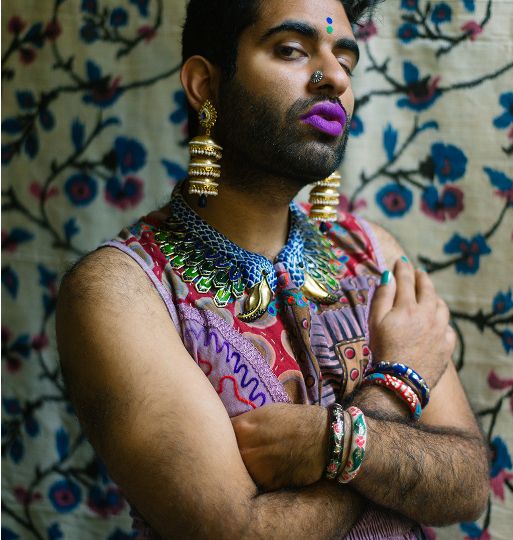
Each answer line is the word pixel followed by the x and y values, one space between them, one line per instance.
pixel 213 27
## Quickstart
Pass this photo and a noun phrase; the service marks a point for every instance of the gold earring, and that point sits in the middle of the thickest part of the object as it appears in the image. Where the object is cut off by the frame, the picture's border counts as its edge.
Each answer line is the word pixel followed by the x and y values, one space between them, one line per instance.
pixel 204 171
pixel 324 199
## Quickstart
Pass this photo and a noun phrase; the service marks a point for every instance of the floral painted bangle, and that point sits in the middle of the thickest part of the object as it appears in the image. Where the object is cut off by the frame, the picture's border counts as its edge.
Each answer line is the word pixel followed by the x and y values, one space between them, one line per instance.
pixel 336 443
pixel 400 388
pixel 406 373
pixel 358 444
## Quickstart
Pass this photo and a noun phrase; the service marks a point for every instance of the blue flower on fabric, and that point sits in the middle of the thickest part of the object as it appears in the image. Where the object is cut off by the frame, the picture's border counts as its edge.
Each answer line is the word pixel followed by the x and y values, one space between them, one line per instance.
pixel 470 251
pixel 105 502
pixel 180 113
pixel 441 13
pixel 65 495
pixel 8 534
pixel 503 183
pixel 420 93
pixel 395 200
pixel 142 6
pixel 54 532
pixel 81 189
pixel 89 32
pixel 506 118
pixel 447 205
pixel 500 457
pixel 474 532
pixel 118 534
pixel 118 17
pixel 89 6
pixel 470 5
pixel 10 281
pixel 356 126
pixel 174 170
pixel 407 32
pixel 130 154
pixel 409 5
pixel 450 162
pixel 103 90
pixel 507 340
pixel 124 195
pixel 502 302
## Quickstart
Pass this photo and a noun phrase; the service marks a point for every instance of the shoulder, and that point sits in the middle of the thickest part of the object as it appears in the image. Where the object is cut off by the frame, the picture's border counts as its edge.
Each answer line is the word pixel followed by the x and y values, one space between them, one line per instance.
pixel 390 247
pixel 105 271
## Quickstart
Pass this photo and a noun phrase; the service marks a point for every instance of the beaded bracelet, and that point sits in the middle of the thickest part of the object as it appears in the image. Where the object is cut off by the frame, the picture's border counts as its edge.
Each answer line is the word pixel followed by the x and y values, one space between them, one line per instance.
pixel 358 444
pixel 402 371
pixel 400 388
pixel 336 446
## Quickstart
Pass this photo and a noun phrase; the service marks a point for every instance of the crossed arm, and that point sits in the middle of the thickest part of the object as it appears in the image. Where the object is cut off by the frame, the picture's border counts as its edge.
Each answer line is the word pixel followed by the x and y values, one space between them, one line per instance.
pixel 168 442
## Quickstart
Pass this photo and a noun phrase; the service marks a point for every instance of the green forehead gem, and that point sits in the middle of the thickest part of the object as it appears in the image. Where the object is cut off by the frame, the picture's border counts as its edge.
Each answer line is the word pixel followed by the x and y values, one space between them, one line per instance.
pixel 330 29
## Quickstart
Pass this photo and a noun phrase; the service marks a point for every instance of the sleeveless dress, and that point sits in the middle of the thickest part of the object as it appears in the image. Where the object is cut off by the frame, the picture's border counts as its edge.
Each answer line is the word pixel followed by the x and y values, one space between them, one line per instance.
pixel 292 347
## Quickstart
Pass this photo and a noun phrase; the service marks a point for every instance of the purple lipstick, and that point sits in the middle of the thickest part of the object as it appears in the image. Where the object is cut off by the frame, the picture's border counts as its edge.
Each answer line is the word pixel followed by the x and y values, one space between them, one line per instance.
pixel 327 117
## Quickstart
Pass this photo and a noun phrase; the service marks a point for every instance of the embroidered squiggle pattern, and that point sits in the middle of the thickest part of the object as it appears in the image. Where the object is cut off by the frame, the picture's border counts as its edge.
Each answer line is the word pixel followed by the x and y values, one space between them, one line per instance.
pixel 221 388
pixel 207 337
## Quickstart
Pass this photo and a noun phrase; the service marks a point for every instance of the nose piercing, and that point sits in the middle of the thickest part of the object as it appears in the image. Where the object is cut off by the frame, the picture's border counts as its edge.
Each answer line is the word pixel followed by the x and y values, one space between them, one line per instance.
pixel 317 77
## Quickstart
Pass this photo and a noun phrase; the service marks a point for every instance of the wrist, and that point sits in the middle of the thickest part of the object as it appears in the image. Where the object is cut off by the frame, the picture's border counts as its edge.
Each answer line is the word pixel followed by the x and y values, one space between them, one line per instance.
pixel 378 399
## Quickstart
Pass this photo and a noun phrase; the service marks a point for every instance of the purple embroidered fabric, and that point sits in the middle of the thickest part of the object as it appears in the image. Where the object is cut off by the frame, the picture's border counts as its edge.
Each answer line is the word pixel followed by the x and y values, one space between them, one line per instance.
pixel 329 344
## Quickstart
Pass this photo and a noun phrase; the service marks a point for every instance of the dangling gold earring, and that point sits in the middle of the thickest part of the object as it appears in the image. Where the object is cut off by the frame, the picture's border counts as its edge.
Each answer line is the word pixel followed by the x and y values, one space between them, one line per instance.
pixel 204 171
pixel 324 199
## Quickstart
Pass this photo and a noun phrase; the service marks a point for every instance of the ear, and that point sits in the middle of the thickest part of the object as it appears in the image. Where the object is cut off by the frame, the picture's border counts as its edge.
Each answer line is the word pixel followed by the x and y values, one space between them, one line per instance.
pixel 200 79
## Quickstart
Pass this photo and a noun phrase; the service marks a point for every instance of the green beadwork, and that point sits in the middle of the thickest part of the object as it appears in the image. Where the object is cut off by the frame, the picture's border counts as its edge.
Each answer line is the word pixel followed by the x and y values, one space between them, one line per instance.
pixel 212 275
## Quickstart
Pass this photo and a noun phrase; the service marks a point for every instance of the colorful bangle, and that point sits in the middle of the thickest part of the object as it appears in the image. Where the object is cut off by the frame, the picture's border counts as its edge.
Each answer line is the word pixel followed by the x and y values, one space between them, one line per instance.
pixel 358 444
pixel 403 371
pixel 336 443
pixel 400 388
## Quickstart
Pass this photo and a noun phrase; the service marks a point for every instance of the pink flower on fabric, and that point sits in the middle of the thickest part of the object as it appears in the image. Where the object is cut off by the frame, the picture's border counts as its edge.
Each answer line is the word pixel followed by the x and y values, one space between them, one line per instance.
pixel 345 205
pixel 497 483
pixel 366 31
pixel 473 29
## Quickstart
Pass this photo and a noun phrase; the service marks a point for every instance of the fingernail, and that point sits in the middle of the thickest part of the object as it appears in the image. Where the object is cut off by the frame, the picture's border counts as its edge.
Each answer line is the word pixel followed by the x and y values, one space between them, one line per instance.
pixel 404 258
pixel 421 269
pixel 385 277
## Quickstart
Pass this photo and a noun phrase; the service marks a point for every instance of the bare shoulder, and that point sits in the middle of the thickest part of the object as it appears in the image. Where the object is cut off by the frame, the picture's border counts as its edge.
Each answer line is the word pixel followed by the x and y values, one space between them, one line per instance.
pixel 104 271
pixel 390 247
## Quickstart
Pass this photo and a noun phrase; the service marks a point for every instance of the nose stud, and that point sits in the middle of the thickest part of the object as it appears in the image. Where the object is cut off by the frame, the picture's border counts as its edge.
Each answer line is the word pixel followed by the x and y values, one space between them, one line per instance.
pixel 317 77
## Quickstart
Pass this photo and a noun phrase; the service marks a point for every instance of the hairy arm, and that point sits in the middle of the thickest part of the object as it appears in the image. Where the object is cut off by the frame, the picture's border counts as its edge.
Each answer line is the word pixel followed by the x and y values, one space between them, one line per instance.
pixel 159 425
pixel 435 471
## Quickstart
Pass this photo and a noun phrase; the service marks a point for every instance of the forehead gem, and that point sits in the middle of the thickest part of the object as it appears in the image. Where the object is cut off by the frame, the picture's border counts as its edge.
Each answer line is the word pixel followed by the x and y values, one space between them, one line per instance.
pixel 329 29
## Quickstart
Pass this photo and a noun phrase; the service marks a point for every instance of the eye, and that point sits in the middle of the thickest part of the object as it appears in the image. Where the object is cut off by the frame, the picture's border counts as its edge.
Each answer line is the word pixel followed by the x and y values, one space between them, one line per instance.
pixel 290 52
pixel 346 67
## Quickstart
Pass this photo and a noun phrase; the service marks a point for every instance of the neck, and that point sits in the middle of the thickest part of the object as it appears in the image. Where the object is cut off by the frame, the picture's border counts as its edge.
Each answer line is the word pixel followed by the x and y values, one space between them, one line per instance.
pixel 253 211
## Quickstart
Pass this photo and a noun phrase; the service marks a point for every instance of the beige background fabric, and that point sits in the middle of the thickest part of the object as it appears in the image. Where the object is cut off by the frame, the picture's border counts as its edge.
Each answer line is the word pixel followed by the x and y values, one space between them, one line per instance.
pixel 93 124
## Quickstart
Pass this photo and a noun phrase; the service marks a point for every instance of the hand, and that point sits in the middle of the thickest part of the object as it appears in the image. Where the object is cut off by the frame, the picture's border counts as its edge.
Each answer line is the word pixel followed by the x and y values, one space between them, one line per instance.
pixel 283 445
pixel 409 323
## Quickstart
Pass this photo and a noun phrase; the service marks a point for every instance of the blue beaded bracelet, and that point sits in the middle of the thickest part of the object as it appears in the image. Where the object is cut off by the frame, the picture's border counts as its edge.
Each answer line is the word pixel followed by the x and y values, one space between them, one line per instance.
pixel 405 372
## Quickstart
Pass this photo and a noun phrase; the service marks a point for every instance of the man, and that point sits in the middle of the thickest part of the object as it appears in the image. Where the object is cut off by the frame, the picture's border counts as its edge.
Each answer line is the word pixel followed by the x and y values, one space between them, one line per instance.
pixel 218 326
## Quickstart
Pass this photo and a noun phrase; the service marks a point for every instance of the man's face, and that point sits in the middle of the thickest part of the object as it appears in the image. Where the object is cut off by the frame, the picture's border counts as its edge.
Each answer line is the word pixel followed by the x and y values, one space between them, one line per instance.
pixel 263 111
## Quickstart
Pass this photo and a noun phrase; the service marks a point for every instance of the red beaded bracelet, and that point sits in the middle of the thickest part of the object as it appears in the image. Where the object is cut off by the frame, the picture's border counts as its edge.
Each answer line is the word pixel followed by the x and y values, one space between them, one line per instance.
pixel 400 388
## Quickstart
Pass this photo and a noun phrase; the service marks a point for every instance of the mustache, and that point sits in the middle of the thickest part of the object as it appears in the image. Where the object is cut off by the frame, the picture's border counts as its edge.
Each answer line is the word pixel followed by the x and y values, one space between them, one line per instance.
pixel 301 106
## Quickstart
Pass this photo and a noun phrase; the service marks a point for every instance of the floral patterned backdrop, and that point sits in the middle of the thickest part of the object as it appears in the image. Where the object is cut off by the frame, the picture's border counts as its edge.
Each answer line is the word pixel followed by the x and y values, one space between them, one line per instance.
pixel 93 126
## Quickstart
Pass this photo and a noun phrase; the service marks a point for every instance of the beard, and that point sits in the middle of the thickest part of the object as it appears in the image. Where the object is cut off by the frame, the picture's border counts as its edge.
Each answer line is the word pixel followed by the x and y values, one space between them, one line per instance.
pixel 259 141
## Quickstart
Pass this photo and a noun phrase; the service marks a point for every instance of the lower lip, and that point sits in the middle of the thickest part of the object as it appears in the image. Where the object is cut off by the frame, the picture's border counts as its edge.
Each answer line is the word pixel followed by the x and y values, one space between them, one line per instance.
pixel 330 127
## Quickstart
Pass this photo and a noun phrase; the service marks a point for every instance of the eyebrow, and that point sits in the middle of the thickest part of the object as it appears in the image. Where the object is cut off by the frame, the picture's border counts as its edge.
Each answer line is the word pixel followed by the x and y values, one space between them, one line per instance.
pixel 311 32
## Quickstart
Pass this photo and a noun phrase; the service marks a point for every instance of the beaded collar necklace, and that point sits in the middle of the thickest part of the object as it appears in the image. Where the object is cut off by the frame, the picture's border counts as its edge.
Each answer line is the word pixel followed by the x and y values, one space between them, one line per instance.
pixel 215 265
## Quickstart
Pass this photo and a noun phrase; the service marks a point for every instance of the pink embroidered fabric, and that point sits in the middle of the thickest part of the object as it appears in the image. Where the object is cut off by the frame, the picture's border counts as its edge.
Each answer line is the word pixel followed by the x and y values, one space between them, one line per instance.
pixel 296 352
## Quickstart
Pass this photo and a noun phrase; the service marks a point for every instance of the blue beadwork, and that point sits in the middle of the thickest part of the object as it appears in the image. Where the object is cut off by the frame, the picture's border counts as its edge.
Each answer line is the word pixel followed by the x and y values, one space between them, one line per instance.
pixel 304 247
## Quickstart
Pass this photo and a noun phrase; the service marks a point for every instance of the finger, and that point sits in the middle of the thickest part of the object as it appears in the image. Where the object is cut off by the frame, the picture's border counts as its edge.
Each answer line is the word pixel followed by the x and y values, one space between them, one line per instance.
pixel 405 278
pixel 383 299
pixel 443 314
pixel 450 336
pixel 424 289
